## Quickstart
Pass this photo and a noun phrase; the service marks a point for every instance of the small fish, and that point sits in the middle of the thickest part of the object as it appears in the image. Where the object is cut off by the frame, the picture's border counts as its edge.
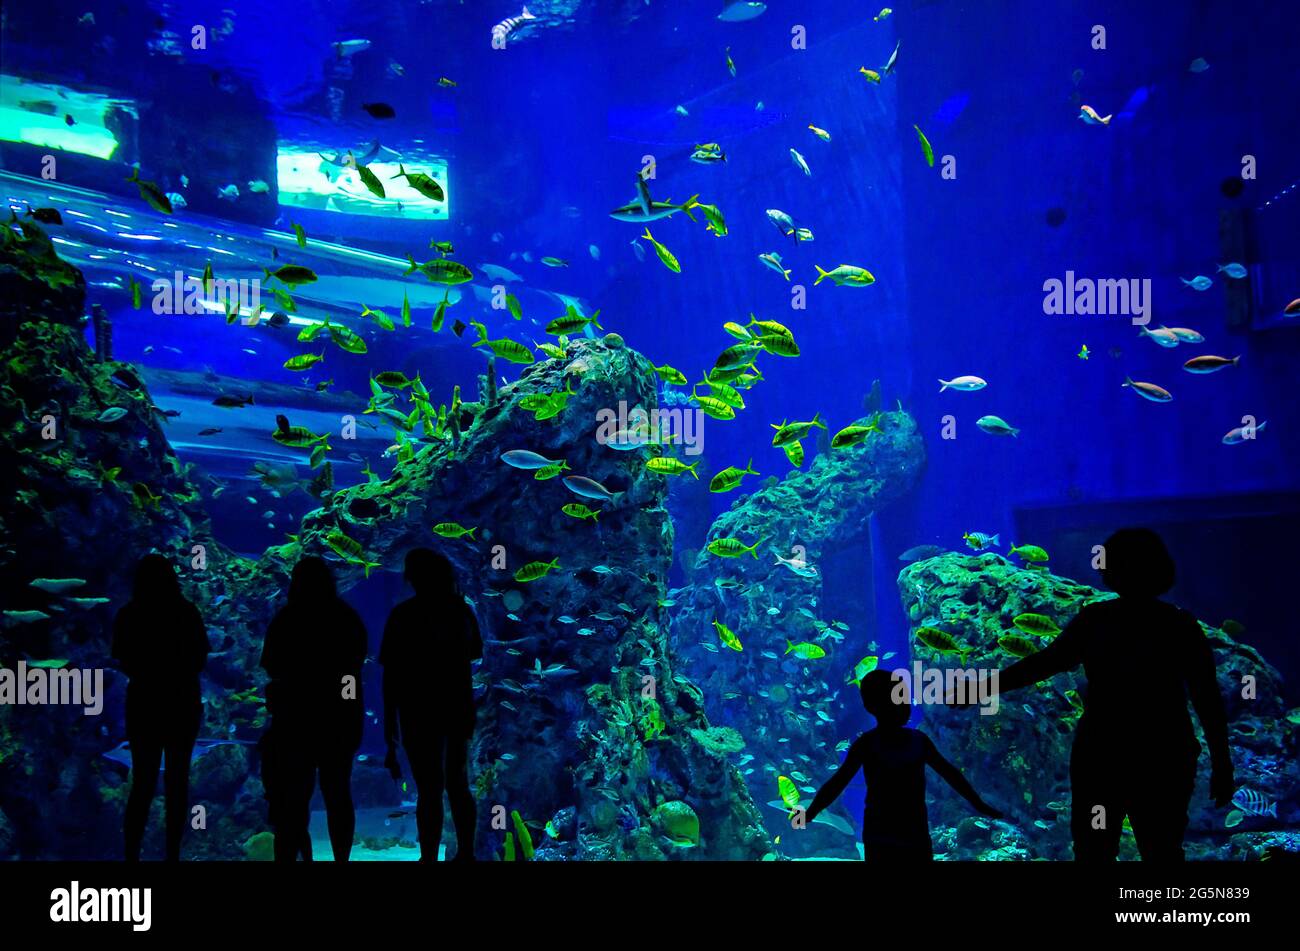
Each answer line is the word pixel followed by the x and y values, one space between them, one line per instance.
pixel 1209 363
pixel 966 384
pixel 1199 283
pixel 1242 434
pixel 228 192
pixel 921 552
pixel 1089 116
pixel 882 15
pixel 666 256
pixel 57 585
pixel 1148 391
pixel 731 66
pixel 800 163
pixel 820 133
pixel 1198 65
pixel 979 541
pixel 773 260
pixel 996 426
pixel 1083 352
pixel 871 75
pixel 1253 803
pixel 1233 270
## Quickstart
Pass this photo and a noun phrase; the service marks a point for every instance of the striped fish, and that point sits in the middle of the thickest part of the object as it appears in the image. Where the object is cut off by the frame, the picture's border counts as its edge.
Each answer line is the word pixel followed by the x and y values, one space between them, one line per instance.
pixel 506 26
pixel 1254 803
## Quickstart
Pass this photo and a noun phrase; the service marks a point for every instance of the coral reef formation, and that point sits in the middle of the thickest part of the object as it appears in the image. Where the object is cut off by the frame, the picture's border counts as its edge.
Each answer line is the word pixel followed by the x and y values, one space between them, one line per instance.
pixel 780 694
pixel 1019 758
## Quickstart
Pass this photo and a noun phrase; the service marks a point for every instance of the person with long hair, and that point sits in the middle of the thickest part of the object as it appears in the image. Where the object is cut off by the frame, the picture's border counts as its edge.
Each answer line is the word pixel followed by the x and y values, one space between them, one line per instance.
pixel 313 652
pixel 161 644
pixel 429 643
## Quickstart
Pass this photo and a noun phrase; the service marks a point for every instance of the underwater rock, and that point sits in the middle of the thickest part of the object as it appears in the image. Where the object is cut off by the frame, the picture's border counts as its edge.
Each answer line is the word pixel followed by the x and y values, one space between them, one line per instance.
pixel 1019 759
pixel 785 707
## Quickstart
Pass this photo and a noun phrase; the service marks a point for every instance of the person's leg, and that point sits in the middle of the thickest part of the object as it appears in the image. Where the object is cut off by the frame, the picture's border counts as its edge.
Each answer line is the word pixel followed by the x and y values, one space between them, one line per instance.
pixel 1159 813
pixel 295 779
pixel 425 756
pixel 463 813
pixel 1096 811
pixel 176 785
pixel 146 757
pixel 336 790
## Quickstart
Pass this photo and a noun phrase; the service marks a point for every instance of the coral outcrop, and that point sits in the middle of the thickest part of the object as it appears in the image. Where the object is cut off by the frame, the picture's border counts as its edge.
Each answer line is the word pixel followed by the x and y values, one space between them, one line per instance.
pixel 783 703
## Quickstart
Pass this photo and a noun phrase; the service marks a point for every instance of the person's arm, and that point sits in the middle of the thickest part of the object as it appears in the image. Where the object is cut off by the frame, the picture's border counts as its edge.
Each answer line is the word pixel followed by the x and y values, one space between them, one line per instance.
pixel 831 790
pixel 1064 653
pixel 1203 688
pixel 953 777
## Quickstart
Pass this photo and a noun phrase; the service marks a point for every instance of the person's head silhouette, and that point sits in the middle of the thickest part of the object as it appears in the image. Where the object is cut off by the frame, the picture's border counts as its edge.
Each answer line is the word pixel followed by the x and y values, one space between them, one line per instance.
pixel 877 689
pixel 312 582
pixel 1137 564
pixel 430 574
pixel 155 579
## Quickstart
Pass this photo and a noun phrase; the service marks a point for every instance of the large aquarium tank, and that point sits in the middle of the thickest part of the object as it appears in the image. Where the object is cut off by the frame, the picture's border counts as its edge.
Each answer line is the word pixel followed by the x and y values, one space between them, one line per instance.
pixel 729 351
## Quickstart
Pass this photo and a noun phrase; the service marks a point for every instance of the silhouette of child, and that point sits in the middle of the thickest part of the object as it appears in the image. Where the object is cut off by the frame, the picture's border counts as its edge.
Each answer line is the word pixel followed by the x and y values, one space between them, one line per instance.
pixel 893 758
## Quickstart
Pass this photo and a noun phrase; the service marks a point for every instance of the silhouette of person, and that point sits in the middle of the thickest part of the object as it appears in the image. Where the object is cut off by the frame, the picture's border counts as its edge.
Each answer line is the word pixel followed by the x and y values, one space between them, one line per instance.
pixel 314 649
pixel 1135 752
pixel 429 643
pixel 893 758
pixel 161 644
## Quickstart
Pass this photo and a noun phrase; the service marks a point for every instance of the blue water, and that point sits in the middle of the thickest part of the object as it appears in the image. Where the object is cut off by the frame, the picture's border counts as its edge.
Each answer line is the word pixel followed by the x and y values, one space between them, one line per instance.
pixel 541 140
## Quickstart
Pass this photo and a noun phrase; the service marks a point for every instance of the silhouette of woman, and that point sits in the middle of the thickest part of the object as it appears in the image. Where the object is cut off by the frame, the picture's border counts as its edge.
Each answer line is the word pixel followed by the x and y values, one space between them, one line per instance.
pixel 1135 752
pixel 313 652
pixel 160 643
pixel 429 643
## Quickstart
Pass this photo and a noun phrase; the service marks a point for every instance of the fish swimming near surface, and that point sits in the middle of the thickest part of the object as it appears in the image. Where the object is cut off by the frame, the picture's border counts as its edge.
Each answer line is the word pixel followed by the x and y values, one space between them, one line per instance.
pixel 507 26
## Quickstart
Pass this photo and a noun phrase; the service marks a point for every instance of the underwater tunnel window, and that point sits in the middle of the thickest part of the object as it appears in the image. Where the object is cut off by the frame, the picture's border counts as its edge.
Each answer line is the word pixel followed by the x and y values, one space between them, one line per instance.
pixel 52 116
pixel 309 180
